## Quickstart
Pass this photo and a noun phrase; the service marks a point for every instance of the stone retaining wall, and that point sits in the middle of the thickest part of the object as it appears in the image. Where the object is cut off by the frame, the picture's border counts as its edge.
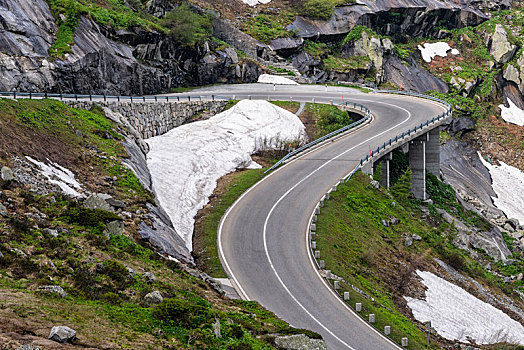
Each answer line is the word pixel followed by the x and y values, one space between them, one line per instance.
pixel 155 118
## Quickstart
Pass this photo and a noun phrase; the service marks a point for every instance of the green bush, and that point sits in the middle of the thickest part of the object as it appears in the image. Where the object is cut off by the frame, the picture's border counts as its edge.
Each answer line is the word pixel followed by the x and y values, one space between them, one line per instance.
pixel 318 9
pixel 188 27
pixel 180 311
pixel 89 217
pixel 117 271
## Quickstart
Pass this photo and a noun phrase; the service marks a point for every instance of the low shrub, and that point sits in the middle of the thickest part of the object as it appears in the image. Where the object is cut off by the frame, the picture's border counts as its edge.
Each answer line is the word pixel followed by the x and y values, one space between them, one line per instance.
pixel 183 312
pixel 89 217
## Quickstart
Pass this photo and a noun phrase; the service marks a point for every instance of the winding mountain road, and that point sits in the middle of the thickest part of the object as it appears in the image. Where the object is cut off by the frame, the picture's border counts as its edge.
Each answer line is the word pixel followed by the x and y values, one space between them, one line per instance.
pixel 263 240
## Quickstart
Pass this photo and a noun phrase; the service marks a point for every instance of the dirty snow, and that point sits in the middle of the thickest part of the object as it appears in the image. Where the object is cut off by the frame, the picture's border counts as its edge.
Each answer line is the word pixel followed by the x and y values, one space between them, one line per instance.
pixel 512 114
pixel 429 51
pixel 60 176
pixel 255 2
pixel 508 184
pixel 457 315
pixel 186 162
pixel 275 79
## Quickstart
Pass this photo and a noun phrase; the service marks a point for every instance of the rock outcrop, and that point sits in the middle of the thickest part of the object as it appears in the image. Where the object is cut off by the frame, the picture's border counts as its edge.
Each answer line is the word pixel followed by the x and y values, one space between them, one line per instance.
pixel 499 46
pixel 411 77
pixel 62 334
pixel 396 18
pixel 127 62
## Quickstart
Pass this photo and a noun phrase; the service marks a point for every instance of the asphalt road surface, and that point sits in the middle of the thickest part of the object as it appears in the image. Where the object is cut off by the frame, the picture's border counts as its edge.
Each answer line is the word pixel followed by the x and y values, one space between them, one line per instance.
pixel 263 237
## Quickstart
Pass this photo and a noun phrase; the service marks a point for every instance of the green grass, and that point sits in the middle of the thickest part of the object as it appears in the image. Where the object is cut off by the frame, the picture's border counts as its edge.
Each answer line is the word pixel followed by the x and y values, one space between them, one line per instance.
pixel 241 181
pixel 289 105
pixel 356 246
pixel 321 9
pixel 345 65
pixel 266 27
pixel 328 118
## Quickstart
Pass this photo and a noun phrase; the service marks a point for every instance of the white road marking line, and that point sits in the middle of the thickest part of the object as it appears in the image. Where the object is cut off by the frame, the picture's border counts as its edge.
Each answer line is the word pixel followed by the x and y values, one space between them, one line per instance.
pixel 228 268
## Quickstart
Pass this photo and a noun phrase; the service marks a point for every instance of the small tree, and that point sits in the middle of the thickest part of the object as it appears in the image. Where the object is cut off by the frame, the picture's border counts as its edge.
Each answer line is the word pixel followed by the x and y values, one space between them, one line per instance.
pixel 402 188
pixel 188 27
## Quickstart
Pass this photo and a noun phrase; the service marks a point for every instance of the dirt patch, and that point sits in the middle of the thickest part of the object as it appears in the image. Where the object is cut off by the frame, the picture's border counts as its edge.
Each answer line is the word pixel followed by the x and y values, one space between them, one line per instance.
pixel 501 141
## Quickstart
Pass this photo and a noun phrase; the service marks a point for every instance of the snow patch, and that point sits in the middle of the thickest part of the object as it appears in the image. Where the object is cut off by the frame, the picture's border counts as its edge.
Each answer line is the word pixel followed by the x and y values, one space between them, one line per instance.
pixel 60 176
pixel 457 315
pixel 512 114
pixel 430 50
pixel 275 79
pixel 186 162
pixel 508 184
pixel 255 2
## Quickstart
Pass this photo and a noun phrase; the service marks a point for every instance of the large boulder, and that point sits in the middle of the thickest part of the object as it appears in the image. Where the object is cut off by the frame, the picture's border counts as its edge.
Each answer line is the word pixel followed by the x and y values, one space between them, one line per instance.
pixel 500 48
pixel 98 201
pixel 299 342
pixel 512 74
pixel 55 290
pixel 411 76
pixel 62 334
pixel 153 298
pixel 7 174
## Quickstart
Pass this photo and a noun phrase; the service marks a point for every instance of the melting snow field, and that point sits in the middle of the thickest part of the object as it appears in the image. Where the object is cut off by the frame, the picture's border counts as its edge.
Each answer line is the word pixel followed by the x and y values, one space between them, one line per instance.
pixel 255 2
pixel 508 184
pixel 275 79
pixel 457 315
pixel 512 114
pixel 60 176
pixel 186 162
pixel 429 51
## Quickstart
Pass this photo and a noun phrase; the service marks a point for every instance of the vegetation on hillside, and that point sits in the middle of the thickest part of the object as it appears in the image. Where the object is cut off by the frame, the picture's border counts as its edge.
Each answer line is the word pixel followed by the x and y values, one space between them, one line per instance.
pixel 53 240
pixel 374 259
pixel 188 27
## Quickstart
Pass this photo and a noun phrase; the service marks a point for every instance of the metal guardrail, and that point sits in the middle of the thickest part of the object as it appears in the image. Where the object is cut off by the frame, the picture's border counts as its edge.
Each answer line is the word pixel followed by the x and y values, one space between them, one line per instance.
pixel 118 98
pixel 325 137
pixel 406 133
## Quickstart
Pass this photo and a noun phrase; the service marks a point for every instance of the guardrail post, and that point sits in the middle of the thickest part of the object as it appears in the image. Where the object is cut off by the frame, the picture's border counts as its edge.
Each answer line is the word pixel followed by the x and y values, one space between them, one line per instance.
pixel 317 211
pixel 30 95
pixel 346 296
pixel 131 97
pixel 143 98
pixel 328 274
pixel 45 94
pixel 14 95
pixel 405 342
pixel 105 97
pixel 189 98
pixel 76 97
pixel 358 307
pixel 212 97
pixel 387 330
pixel 118 98
pixel 61 98
pixel 91 98
pixel 317 254
pixel 371 318
pixel 156 99
pixel 313 245
pixel 336 285
pixel 314 218
pixel 322 264
pixel 313 227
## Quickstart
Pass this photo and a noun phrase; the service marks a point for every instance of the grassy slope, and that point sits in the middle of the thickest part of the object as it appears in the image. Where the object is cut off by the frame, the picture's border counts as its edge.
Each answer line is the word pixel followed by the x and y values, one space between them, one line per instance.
pixel 320 119
pixel 358 247
pixel 103 304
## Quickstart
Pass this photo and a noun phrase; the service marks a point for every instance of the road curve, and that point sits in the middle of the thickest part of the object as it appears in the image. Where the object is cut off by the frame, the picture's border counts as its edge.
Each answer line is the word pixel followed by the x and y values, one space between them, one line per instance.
pixel 263 237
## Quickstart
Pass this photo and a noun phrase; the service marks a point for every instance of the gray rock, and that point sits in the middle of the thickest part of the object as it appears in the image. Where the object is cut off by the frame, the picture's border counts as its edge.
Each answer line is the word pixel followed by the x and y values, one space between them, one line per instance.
pixel 216 285
pixel 115 227
pixel 408 242
pixel 149 277
pixel 375 184
pixel 394 220
pixel 501 49
pixel 386 223
pixel 299 342
pixel 416 237
pixel 7 174
pixel 514 223
pixel 462 125
pixel 153 298
pixel 216 328
pixel 51 232
pixel 3 211
pixel 27 347
pixel 512 74
pixel 98 201
pixel 131 272
pixel 115 203
pixel 57 290
pixel 411 76
pixel 509 228
pixel 62 334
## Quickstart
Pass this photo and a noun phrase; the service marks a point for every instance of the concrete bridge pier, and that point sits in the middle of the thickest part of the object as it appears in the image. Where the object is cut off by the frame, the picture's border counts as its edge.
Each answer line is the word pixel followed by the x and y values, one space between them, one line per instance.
pixel 417 163
pixel 384 179
pixel 433 152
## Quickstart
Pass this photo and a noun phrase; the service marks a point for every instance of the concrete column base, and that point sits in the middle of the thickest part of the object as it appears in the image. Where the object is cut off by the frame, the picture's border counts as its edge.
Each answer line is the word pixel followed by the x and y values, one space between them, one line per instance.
pixel 417 163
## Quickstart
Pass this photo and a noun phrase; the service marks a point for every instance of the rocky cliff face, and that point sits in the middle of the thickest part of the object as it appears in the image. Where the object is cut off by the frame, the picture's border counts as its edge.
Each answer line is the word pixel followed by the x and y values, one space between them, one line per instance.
pixel 121 62
pixel 398 18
